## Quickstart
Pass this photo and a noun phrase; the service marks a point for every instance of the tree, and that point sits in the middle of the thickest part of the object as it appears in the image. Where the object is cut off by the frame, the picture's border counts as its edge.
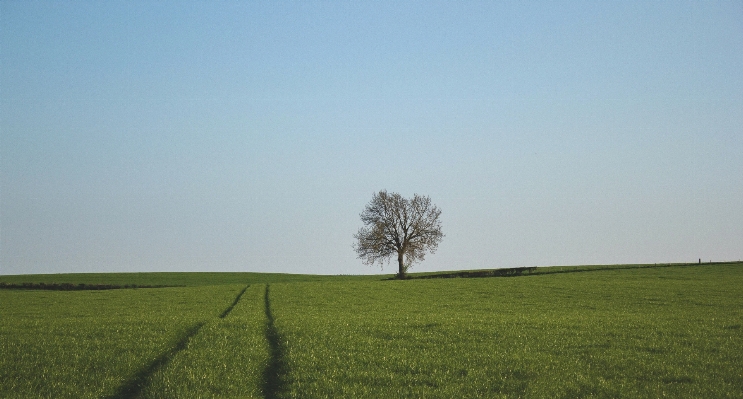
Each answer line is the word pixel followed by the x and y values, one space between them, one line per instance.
pixel 394 225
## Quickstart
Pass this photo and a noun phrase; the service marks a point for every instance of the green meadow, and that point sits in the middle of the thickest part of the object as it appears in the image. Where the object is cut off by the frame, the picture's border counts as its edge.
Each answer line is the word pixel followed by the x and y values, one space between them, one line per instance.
pixel 622 331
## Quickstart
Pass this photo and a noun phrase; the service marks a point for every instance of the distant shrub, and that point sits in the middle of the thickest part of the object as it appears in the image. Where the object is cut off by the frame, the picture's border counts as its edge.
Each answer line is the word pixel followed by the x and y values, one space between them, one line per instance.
pixel 76 287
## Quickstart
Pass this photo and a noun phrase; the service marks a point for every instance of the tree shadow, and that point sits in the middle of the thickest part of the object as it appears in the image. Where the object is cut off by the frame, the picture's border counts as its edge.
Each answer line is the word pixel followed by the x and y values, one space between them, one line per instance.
pixel 275 372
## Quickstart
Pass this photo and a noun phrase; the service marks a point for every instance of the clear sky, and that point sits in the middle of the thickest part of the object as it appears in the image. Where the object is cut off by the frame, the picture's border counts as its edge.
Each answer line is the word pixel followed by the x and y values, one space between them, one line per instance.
pixel 248 136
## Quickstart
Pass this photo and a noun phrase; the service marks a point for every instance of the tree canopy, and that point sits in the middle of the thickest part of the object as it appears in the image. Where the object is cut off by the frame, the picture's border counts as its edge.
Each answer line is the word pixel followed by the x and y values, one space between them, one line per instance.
pixel 394 225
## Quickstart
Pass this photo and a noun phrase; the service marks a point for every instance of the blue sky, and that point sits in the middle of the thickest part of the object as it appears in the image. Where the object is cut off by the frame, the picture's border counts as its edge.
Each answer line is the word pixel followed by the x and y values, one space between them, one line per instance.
pixel 248 136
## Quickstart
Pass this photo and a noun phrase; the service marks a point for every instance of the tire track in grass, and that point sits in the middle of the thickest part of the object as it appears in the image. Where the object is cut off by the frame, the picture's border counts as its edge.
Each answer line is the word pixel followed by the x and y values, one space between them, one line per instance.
pixel 237 299
pixel 275 373
pixel 134 387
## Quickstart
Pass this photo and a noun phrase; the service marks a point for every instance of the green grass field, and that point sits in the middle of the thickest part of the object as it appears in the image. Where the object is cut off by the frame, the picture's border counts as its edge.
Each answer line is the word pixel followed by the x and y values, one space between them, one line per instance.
pixel 621 331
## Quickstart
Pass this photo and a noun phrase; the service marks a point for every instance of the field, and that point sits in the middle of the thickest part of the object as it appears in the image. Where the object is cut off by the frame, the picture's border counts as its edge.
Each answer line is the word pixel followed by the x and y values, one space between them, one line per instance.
pixel 629 331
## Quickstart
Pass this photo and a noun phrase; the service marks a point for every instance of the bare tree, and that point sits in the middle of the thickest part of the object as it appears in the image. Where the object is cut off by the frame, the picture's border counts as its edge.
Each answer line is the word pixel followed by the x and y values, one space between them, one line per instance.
pixel 394 225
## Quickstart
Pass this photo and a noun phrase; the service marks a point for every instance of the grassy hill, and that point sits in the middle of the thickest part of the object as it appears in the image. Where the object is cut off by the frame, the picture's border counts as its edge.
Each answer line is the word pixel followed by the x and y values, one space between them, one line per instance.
pixel 618 331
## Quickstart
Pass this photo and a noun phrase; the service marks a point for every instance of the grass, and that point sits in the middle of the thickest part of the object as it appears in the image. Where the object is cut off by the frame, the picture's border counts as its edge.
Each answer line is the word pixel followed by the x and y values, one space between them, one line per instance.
pixel 173 278
pixel 226 359
pixel 88 344
pixel 616 332
pixel 624 333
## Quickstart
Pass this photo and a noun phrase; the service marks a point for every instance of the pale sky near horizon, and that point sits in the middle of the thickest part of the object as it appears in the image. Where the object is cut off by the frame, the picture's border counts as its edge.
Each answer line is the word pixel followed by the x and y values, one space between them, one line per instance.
pixel 248 136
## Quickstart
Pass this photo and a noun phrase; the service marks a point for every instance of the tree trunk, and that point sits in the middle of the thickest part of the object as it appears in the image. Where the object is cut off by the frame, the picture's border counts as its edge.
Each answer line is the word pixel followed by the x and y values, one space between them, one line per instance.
pixel 401 266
